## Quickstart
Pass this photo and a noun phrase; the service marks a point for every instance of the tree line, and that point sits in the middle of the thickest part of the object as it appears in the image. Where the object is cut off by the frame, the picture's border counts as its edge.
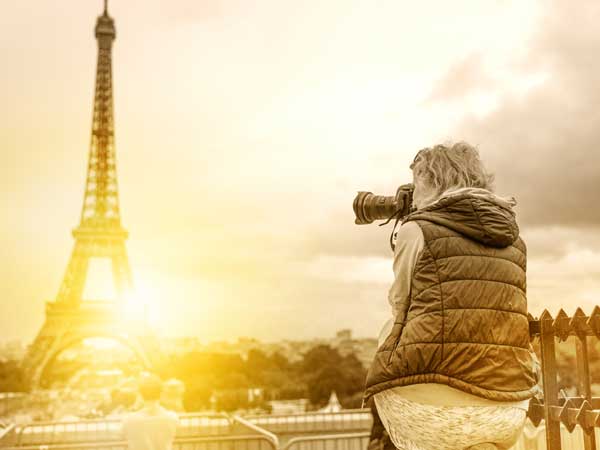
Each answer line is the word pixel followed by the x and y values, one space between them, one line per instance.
pixel 222 381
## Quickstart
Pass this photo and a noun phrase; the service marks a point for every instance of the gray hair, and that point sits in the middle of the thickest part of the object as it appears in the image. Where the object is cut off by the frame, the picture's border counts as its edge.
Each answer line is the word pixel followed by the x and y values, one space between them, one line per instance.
pixel 447 167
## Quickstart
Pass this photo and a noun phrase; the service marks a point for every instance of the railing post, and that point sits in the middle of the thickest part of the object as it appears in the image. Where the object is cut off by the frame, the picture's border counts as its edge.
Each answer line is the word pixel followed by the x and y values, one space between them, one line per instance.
pixel 549 380
pixel 583 371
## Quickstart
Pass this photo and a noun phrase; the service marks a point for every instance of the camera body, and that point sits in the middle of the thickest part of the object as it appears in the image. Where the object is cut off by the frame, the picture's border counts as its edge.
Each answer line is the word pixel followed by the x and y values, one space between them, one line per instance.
pixel 369 207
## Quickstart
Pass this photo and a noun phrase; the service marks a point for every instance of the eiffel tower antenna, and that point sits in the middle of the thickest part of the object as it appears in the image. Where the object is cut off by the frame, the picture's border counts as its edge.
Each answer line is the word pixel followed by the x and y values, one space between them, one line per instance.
pixel 70 318
pixel 101 202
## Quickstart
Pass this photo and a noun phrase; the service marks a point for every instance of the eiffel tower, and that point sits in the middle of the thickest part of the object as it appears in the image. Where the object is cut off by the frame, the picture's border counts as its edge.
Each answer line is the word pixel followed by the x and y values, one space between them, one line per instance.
pixel 70 318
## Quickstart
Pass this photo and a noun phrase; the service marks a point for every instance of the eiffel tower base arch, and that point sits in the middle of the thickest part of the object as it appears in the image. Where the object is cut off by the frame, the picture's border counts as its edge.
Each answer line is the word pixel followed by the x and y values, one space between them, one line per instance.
pixel 66 327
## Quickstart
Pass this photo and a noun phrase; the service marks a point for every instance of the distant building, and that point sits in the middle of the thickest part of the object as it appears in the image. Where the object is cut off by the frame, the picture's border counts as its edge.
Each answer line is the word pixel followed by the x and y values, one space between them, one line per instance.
pixel 11 401
pixel 289 406
pixel 344 335
pixel 255 395
pixel 181 345
pixel 364 349
pixel 12 350
pixel 90 379
pixel 292 350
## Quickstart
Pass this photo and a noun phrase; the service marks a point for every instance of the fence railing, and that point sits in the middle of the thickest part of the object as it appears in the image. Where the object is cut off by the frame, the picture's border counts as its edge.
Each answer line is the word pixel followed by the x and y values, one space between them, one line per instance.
pixel 203 424
pixel 97 430
pixel 315 422
pixel 243 442
pixel 240 423
pixel 5 431
pixel 342 441
pixel 252 437
pixel 554 409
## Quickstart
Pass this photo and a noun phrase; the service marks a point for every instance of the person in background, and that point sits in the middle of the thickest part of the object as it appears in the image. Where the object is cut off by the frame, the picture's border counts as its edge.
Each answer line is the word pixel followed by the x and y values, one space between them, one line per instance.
pixel 454 369
pixel 152 427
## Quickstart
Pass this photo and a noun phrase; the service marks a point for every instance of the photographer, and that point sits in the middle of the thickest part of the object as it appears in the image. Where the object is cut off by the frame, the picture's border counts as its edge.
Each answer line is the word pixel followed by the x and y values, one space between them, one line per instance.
pixel 453 369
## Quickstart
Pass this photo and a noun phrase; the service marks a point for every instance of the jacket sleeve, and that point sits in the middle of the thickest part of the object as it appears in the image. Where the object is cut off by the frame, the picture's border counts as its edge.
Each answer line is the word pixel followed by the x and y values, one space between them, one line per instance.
pixel 409 244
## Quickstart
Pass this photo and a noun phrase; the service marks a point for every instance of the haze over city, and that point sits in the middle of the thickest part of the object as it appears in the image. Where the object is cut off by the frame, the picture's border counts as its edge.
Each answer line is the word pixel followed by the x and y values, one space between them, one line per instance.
pixel 244 130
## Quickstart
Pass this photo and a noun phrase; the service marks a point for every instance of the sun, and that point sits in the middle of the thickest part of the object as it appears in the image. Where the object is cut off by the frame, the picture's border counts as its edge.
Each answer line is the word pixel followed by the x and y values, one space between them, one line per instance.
pixel 142 304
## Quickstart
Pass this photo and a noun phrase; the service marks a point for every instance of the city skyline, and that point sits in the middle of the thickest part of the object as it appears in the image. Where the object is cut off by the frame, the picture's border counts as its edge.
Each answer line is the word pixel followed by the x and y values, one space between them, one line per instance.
pixel 237 176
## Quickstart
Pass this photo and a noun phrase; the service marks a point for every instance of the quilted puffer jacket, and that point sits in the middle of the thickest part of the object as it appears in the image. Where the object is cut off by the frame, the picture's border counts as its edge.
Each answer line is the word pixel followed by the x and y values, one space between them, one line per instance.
pixel 465 321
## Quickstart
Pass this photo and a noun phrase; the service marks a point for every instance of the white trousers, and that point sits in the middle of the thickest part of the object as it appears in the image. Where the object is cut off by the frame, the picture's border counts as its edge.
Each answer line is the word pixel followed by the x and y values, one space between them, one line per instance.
pixel 415 426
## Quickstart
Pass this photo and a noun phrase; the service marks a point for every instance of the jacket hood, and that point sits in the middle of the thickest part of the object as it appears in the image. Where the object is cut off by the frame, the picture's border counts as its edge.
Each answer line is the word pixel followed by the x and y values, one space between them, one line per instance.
pixel 475 213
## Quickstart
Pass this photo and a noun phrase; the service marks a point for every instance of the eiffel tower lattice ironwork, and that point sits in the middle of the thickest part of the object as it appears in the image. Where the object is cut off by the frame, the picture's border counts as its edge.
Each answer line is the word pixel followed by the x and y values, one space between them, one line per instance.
pixel 70 318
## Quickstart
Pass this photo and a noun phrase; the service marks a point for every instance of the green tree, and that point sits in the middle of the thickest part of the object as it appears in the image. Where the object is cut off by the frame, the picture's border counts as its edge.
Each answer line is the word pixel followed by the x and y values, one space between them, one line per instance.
pixel 325 370
pixel 318 357
pixel 279 361
pixel 12 377
pixel 323 382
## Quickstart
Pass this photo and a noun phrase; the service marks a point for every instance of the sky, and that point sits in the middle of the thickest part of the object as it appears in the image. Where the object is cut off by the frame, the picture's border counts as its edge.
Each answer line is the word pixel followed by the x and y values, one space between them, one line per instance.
pixel 244 130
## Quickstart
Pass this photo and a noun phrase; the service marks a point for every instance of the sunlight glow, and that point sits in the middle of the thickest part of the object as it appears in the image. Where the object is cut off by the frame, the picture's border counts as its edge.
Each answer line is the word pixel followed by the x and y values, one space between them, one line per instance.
pixel 99 284
pixel 101 343
pixel 142 305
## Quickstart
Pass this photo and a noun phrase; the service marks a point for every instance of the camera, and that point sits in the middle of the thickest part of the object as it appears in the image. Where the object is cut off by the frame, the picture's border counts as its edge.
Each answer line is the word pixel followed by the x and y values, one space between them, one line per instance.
pixel 369 207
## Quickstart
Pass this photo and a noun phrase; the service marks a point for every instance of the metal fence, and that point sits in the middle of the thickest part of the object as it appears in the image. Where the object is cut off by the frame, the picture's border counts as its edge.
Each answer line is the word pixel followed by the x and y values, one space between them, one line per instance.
pixel 249 442
pixel 245 426
pixel 315 422
pixel 6 430
pixel 555 410
pixel 343 441
pixel 107 430
pixel 202 424
pixel 248 436
pixel 533 438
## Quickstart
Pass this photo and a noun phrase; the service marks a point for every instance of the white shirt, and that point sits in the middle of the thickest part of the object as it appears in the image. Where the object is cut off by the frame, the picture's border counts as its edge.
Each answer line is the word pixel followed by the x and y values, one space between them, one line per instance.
pixel 150 429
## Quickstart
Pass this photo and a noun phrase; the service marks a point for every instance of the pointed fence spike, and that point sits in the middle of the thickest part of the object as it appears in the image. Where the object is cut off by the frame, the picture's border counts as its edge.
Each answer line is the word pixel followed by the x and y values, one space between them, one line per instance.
pixel 578 323
pixel 584 418
pixel 534 327
pixel 561 325
pixel 535 411
pixel 566 417
pixel 594 321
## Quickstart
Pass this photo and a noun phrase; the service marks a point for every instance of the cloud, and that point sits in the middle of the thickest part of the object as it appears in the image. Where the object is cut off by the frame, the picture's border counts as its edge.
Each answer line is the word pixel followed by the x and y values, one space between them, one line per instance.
pixel 372 270
pixel 550 243
pixel 543 145
pixel 568 282
pixel 541 139
pixel 465 77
